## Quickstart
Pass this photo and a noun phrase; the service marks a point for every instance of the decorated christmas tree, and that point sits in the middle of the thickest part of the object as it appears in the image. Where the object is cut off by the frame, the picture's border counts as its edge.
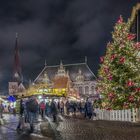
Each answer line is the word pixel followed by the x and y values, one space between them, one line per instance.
pixel 119 73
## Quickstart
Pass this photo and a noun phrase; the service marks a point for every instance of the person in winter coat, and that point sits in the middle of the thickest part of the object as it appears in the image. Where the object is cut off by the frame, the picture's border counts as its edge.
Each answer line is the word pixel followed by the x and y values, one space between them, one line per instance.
pixel 54 110
pixel 61 107
pixel 32 108
pixel 47 109
pixel 42 109
pixel 88 109
pixel 21 112
pixel 1 110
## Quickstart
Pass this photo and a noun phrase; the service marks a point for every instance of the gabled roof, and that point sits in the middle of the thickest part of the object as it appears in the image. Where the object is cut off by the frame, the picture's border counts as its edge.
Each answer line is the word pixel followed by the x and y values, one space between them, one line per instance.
pixel 71 68
pixel 60 82
pixel 21 87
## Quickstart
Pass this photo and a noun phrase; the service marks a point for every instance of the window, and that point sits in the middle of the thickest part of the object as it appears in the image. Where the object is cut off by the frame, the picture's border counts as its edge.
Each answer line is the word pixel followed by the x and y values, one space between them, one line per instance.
pixel 80 90
pixel 92 90
pixel 86 90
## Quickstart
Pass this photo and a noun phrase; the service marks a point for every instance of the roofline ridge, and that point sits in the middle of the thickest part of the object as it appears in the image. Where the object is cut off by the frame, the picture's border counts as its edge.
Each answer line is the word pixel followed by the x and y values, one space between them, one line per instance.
pixel 73 64
pixel 91 70
pixel 52 66
pixel 40 73
pixel 66 64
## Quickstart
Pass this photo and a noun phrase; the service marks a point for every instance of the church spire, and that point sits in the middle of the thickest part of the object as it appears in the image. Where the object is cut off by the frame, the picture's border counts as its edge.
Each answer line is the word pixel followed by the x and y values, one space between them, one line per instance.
pixel 17 68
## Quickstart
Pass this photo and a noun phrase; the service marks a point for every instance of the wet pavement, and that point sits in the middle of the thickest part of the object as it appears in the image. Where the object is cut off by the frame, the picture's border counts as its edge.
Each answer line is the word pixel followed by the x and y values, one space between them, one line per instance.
pixel 8 130
pixel 69 128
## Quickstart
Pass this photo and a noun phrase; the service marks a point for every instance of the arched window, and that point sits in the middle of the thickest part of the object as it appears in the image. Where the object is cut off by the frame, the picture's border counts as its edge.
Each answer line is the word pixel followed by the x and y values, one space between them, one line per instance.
pixel 93 90
pixel 86 90
pixel 80 90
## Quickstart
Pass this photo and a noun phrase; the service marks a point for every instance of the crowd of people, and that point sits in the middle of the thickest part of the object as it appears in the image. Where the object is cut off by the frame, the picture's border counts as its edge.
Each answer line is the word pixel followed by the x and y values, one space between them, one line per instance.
pixel 31 108
pixel 7 108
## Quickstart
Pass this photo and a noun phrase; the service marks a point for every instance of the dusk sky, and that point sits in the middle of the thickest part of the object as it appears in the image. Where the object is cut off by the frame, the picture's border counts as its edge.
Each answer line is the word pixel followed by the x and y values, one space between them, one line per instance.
pixel 55 30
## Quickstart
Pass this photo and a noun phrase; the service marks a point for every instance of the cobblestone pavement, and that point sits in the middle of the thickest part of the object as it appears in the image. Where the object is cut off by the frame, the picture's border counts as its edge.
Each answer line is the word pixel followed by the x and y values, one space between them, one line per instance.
pixel 70 128
pixel 77 129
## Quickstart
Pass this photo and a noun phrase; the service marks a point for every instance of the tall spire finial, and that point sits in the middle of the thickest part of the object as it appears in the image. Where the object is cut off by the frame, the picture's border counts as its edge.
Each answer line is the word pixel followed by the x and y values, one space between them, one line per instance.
pixel 45 63
pixel 86 59
pixel 61 62
pixel 67 73
pixel 79 71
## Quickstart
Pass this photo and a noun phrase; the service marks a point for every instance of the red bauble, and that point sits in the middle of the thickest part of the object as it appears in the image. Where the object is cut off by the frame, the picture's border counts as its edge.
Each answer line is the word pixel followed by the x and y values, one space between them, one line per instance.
pixel 120 20
pixel 137 45
pixel 122 59
pixel 110 77
pixel 106 70
pixel 111 96
pixel 137 89
pixel 130 83
pixel 102 59
pixel 113 57
pixel 109 108
pixel 131 36
pixel 131 98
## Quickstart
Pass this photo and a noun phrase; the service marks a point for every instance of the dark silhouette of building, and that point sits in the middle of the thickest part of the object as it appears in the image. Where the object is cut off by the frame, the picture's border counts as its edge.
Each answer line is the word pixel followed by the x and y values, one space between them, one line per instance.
pixel 16 86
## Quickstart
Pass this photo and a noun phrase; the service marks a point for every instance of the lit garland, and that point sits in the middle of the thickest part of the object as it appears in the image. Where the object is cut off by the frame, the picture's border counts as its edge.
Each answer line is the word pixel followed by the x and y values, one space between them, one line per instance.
pixel 119 72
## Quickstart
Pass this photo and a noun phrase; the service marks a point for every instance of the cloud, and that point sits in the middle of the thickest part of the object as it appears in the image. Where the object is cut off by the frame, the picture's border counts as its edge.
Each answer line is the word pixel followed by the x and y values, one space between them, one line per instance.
pixel 54 30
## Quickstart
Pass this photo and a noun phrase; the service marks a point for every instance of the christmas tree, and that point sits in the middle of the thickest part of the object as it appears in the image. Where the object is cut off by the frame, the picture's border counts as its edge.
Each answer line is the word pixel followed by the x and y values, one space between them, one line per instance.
pixel 119 73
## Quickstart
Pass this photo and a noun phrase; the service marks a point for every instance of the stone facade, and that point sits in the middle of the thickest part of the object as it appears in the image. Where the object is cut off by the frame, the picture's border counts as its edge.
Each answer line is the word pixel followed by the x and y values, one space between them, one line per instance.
pixel 80 77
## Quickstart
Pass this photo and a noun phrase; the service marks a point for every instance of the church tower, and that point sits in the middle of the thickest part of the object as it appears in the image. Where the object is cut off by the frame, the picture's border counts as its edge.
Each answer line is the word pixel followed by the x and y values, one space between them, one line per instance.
pixel 17 75
pixel 16 86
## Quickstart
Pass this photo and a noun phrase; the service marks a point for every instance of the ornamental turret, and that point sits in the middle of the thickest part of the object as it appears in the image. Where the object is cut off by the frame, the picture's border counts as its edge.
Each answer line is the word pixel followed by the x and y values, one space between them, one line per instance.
pixel 61 70
pixel 45 78
pixel 80 76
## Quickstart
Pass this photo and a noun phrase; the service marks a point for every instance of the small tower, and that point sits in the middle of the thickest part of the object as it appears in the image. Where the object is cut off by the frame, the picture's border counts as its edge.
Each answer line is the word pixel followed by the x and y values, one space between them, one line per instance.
pixel 61 70
pixel 45 78
pixel 80 76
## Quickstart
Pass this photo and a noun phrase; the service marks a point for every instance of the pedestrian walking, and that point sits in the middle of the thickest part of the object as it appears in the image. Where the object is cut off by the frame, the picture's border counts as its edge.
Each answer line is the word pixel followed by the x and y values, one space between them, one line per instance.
pixel 1 110
pixel 54 110
pixel 20 126
pixel 42 109
pixel 88 109
pixel 61 107
pixel 74 106
pixel 67 107
pixel 47 109
pixel 32 108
